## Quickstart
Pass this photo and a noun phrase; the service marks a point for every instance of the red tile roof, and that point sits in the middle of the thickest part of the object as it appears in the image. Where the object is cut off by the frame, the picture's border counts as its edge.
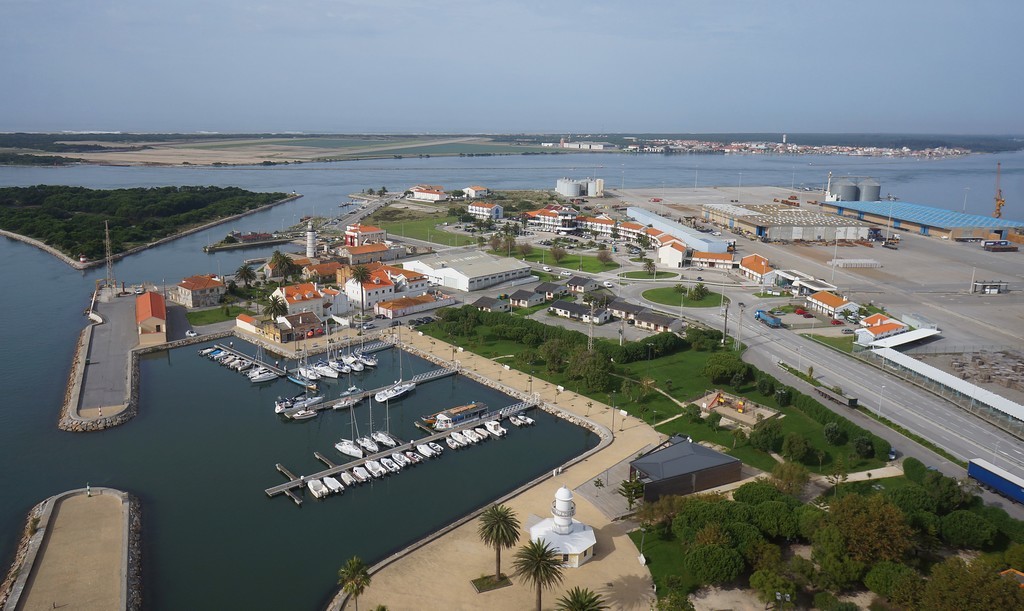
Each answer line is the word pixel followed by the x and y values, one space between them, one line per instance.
pixel 150 305
pixel 367 248
pixel 829 299
pixel 756 263
pixel 198 283
pixel 714 256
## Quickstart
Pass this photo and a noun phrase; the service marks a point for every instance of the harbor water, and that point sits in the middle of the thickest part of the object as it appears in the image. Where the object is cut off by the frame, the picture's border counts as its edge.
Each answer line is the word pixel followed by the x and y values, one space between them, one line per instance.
pixel 203 447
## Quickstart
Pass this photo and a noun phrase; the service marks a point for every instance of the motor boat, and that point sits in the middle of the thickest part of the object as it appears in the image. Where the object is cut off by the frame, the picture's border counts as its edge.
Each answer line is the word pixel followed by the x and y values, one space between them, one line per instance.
pixel 353 363
pixel 368 444
pixel 390 465
pixel 526 420
pixel 206 351
pixel 400 459
pixel 366 359
pixel 516 420
pixel 413 457
pixel 349 447
pixel 471 436
pixel 317 488
pixel 333 485
pixel 435 447
pixel 494 428
pixel 459 438
pixel 347 479
pixel 361 474
pixel 452 443
pixel 304 414
pixel 425 450
pixel 325 370
pixel 482 432
pixel 375 469
pixel 383 438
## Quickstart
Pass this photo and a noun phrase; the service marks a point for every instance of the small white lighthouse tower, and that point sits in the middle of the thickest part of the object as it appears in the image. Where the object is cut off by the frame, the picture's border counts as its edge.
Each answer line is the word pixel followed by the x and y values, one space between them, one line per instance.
pixel 567 536
pixel 310 240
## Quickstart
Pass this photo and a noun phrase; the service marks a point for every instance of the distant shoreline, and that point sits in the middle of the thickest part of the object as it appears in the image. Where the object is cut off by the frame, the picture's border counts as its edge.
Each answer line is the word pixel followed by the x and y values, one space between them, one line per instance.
pixel 74 263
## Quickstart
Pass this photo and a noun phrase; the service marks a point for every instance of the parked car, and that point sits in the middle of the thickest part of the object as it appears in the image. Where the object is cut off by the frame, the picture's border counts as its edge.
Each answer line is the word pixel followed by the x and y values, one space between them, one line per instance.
pixel 395 323
pixel 800 311
pixel 699 279
pixel 892 453
pixel 848 331
pixel 808 315
pixel 380 316
pixel 837 322
pixel 368 325
pixel 191 333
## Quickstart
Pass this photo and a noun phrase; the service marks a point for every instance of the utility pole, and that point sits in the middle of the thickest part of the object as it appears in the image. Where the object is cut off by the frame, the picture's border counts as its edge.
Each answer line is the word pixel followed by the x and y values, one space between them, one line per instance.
pixel 111 281
pixel 725 327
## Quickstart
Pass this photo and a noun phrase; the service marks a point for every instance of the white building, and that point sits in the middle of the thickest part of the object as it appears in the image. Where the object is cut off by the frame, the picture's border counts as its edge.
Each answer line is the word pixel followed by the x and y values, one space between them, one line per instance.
pixel 476 191
pixel 672 254
pixel 311 297
pixel 483 210
pixel 469 271
pixel 755 267
pixel 428 195
pixel 569 537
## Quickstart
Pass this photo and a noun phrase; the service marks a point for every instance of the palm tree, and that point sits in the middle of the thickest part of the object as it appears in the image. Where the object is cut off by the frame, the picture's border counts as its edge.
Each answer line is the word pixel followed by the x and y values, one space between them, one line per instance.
pixel 650 267
pixel 281 261
pixel 354 578
pixel 275 307
pixel 540 565
pixel 245 274
pixel 499 528
pixel 581 599
pixel 361 274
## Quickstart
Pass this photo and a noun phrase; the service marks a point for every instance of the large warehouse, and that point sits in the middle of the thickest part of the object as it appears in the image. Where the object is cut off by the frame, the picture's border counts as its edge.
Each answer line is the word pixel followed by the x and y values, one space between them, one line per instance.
pixel 925 220
pixel 469 271
pixel 782 222
pixel 695 240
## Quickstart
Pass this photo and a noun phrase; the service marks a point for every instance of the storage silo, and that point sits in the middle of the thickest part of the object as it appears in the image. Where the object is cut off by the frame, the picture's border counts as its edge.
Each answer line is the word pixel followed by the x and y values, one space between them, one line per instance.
pixel 845 190
pixel 870 190
pixel 591 188
pixel 600 187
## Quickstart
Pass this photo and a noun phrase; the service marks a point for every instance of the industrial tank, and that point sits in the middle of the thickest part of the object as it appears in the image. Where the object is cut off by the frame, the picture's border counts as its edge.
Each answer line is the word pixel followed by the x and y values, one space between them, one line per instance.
pixel 870 190
pixel 591 188
pixel 845 190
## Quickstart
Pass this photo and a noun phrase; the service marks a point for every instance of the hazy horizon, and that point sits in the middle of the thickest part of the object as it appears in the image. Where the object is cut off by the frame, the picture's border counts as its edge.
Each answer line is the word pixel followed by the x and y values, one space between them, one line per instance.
pixel 462 67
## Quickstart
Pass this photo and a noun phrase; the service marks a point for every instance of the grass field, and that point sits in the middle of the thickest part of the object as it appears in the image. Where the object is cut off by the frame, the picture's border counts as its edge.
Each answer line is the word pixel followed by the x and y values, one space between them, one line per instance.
pixel 843 344
pixel 670 297
pixel 208 317
pixel 665 561
pixel 572 262
pixel 426 229
pixel 658 275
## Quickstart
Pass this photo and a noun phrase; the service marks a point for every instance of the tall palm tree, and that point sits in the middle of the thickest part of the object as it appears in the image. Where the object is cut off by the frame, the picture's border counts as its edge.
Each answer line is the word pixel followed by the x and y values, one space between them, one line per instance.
pixel 275 307
pixel 581 599
pixel 245 274
pixel 499 527
pixel 650 267
pixel 354 578
pixel 280 261
pixel 361 274
pixel 540 565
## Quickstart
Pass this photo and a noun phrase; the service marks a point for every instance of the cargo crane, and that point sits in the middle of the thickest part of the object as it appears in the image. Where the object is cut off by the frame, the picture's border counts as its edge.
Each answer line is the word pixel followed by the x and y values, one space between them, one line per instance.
pixel 1000 202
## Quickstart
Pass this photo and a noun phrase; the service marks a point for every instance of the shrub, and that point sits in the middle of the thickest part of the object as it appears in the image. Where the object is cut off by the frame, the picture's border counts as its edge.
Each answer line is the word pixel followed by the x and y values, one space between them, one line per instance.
pixel 833 434
pixel 914 470
pixel 767 435
pixel 965 529
pixel 911 499
pixel 795 447
pixel 863 447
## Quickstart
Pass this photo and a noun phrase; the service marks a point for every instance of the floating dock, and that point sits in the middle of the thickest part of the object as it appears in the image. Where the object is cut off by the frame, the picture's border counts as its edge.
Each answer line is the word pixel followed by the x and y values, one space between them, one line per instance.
pixel 418 379
pixel 230 350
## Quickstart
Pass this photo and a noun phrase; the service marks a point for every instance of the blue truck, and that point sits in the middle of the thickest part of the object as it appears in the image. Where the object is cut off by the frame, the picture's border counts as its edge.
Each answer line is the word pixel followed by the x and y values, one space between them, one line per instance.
pixel 998 480
pixel 772 321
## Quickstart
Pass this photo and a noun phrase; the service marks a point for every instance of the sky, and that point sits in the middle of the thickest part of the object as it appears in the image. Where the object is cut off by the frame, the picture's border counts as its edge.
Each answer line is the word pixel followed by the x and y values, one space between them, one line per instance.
pixel 509 66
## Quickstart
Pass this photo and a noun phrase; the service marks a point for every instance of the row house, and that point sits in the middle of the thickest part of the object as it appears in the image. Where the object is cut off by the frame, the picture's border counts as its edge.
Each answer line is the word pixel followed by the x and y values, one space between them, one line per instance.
pixel 673 254
pixel 581 284
pixel 653 321
pixel 524 298
pixel 551 290
pixel 579 311
pixel 490 304
pixel 319 272
pixel 434 194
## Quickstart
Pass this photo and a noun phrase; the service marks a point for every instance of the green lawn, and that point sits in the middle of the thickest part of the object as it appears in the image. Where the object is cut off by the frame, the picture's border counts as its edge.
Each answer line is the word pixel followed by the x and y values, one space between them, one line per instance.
pixel 658 275
pixel 426 229
pixel 869 486
pixel 590 263
pixel 208 317
pixel 665 561
pixel 529 310
pixel 668 296
pixel 843 344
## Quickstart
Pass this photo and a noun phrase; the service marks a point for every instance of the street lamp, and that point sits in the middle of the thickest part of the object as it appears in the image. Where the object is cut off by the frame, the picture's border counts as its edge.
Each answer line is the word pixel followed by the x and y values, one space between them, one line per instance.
pixel 880 394
pixel 966 189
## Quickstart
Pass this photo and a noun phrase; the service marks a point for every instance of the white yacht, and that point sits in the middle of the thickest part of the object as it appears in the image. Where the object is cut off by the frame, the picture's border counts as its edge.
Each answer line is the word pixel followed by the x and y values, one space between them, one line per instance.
pixel 459 438
pixel 317 488
pixel 307 402
pixel 400 459
pixel 366 359
pixel 398 390
pixel 494 428
pixel 349 447
pixel 361 474
pixel 425 450
pixel 322 368
pixel 304 414
pixel 482 432
pixel 471 436
pixel 353 363
pixel 347 479
pixel 368 444
pixel 435 448
pixel 333 485
pixel 265 375
pixel 308 372
pixel 383 438
pixel 375 469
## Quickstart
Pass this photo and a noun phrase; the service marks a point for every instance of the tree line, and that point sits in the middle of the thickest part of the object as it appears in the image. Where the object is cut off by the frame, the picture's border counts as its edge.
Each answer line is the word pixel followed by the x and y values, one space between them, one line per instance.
pixel 71 219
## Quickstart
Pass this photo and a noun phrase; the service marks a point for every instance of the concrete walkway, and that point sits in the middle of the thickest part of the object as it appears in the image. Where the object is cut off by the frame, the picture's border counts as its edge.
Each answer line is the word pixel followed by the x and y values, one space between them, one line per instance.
pixel 82 559
pixel 438 574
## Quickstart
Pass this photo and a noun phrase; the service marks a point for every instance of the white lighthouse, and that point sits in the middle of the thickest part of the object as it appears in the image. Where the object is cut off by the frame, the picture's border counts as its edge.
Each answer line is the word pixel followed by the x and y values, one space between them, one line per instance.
pixel 566 535
pixel 310 240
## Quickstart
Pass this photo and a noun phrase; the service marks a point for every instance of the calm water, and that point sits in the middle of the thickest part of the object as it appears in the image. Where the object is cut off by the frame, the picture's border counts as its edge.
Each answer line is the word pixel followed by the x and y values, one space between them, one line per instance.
pixel 203 447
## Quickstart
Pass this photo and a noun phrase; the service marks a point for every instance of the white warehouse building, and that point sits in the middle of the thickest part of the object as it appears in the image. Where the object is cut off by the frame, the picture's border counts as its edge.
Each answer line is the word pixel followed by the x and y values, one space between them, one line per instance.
pixel 702 242
pixel 469 271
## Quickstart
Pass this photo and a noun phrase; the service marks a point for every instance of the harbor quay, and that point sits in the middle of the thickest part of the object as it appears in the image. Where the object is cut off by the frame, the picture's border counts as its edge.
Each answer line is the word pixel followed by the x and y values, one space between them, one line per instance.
pixel 81 550
pixel 407 579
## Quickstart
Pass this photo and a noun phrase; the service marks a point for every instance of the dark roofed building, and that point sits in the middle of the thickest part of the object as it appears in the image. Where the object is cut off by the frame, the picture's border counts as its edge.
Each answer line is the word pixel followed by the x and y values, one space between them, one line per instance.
pixel 653 321
pixel 579 311
pixel 580 284
pixel 679 467
pixel 524 298
pixel 490 304
pixel 550 290
pixel 624 309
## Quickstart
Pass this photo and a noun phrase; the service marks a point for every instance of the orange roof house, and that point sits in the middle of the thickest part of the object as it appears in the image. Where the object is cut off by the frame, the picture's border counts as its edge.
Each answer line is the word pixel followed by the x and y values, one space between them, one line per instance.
pixel 151 318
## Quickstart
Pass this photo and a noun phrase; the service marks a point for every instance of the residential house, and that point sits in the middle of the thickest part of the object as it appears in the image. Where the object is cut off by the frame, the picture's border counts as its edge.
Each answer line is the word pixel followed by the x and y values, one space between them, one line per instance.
pixel 653 321
pixel 370 253
pixel 582 284
pixel 830 304
pixel 625 310
pixel 198 291
pixel 720 260
pixel 579 311
pixel 484 210
pixel 755 267
pixel 433 194
pixel 554 217
pixel 490 304
pixel 476 191
pixel 247 323
pixel 299 326
pixel 379 287
pixel 311 297
pixel 273 272
pixel 151 318
pixel 357 234
pixel 551 290
pixel 878 326
pixel 524 298
pixel 405 306
pixel 320 272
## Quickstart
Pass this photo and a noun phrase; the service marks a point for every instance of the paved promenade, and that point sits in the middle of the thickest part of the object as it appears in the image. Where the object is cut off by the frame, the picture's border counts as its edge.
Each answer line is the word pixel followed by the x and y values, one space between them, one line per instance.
pixel 82 560
pixel 105 381
pixel 438 574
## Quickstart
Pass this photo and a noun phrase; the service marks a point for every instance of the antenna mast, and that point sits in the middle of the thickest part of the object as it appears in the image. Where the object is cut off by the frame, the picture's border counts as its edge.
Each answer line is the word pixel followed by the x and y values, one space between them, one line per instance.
pixel 111 282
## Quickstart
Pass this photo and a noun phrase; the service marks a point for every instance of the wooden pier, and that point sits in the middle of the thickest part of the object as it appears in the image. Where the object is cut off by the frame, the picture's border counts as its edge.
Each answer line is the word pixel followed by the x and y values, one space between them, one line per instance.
pixel 332 404
pixel 333 469
pixel 230 350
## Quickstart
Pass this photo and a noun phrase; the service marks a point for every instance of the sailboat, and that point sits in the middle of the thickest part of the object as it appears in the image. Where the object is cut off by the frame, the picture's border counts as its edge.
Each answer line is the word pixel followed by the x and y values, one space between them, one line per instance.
pixel 398 389
pixel 347 446
pixel 335 362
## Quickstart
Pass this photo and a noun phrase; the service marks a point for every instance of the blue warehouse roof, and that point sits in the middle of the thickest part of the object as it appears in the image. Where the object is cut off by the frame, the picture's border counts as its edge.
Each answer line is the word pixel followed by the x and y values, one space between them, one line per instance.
pixel 925 215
